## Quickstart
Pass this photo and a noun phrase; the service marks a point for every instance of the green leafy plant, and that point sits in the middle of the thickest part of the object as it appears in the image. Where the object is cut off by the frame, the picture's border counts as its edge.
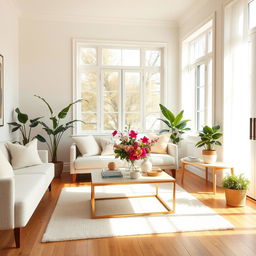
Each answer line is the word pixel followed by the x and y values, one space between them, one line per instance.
pixel 24 127
pixel 56 130
pixel 176 126
pixel 235 182
pixel 209 137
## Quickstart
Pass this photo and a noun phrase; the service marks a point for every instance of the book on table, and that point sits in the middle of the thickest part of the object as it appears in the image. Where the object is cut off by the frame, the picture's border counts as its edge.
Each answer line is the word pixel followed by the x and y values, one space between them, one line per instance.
pixel 111 174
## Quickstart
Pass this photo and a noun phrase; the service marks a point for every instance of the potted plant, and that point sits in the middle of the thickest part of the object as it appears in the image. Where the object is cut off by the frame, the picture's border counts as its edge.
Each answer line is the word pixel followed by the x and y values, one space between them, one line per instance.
pixel 24 127
pixel 209 137
pixel 55 132
pixel 176 126
pixel 235 189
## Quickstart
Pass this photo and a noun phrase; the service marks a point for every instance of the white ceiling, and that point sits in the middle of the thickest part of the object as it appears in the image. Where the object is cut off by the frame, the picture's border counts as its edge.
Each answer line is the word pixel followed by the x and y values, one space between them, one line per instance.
pixel 165 10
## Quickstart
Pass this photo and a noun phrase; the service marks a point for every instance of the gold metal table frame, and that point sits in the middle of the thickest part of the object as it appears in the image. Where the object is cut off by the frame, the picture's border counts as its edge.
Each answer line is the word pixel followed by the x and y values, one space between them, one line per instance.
pixel 168 209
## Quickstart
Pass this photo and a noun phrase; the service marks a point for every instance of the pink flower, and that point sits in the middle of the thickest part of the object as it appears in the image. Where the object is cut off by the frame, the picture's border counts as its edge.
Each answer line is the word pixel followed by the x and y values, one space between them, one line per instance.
pixel 133 134
pixel 145 140
pixel 132 157
pixel 144 153
pixel 114 133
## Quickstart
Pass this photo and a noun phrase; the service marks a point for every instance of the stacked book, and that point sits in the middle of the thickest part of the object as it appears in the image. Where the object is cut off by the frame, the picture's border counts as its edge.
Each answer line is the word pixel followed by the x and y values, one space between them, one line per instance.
pixel 111 174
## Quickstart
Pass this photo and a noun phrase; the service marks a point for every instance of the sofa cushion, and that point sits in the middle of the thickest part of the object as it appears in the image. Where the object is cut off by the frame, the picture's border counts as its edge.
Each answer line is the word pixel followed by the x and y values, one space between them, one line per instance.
pixel 29 190
pixel 97 162
pixel 6 170
pixel 107 147
pixel 87 145
pixel 160 147
pixel 5 151
pixel 23 156
pixel 159 160
pixel 37 169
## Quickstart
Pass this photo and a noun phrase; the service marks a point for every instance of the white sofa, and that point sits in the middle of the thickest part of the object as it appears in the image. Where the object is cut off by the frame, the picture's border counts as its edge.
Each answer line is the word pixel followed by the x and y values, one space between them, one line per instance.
pixel 20 194
pixel 85 164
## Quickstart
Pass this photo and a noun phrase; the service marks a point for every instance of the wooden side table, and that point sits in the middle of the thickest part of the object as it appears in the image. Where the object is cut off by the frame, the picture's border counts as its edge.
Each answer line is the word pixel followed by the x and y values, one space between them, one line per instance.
pixel 214 166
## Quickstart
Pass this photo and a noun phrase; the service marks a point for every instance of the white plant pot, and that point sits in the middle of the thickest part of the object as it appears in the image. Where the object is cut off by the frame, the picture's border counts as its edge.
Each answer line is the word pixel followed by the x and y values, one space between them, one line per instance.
pixel 209 156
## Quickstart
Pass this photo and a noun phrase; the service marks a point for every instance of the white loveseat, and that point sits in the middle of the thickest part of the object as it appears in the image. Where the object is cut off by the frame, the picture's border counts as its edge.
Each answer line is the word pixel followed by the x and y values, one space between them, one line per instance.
pixel 85 164
pixel 21 193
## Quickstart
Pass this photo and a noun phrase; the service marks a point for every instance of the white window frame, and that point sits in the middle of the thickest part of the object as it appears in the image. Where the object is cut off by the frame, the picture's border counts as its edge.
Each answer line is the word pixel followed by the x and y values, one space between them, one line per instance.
pixel 99 44
pixel 187 67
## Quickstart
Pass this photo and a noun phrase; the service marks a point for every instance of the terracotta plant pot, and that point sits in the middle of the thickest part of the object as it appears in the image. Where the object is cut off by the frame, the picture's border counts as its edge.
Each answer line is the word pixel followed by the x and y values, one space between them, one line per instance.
pixel 235 197
pixel 209 156
pixel 58 167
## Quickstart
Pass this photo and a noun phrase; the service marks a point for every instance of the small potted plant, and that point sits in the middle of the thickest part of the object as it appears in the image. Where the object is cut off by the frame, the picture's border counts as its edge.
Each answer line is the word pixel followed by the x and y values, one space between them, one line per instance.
pixel 235 189
pixel 209 137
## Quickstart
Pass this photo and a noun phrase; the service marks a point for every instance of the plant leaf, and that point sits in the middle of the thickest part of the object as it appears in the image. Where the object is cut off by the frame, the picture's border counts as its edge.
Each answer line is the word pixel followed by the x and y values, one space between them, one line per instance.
pixel 216 136
pixel 14 124
pixel 207 129
pixel 48 105
pixel 165 121
pixel 167 113
pixel 164 130
pixel 64 111
pixel 216 128
pixel 178 118
pixel 34 124
pixel 23 118
pixel 35 119
pixel 54 122
pixel 40 138
pixel 16 128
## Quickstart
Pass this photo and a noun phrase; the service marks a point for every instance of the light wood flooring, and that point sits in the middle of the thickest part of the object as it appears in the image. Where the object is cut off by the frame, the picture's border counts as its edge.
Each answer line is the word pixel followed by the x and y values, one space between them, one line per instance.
pixel 241 241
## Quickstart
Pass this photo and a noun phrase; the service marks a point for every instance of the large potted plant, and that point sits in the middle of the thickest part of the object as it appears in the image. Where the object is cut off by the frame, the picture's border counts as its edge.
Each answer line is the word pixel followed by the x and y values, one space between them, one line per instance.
pixel 235 189
pixel 55 131
pixel 209 138
pixel 176 125
pixel 25 126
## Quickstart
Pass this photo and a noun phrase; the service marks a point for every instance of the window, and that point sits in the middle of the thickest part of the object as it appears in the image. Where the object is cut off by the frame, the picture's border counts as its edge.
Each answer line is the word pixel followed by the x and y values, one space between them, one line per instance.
pixel 122 85
pixel 197 57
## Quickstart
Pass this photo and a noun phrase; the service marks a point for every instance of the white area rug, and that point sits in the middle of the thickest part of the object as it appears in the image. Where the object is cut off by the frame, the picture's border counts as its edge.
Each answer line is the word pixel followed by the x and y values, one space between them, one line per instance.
pixel 71 219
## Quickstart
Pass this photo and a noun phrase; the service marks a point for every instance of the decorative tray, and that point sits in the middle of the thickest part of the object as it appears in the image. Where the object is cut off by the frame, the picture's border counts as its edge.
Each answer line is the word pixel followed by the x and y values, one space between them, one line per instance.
pixel 156 172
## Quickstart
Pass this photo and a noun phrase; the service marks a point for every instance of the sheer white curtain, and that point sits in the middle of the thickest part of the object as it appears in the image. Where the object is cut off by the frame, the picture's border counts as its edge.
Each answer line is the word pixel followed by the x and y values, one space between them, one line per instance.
pixel 236 143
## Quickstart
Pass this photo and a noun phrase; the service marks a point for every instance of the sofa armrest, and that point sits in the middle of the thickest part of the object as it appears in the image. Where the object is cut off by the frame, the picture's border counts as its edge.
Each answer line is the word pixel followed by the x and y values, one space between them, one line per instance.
pixel 43 154
pixel 7 203
pixel 172 149
pixel 73 155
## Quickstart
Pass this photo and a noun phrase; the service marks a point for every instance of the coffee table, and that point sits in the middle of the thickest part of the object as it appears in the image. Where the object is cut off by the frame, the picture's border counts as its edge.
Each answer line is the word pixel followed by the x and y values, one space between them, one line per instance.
pixel 97 180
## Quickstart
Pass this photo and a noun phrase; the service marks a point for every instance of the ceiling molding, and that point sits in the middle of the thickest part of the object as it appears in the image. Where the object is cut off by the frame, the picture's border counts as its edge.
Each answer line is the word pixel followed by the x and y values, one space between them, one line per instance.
pixel 99 20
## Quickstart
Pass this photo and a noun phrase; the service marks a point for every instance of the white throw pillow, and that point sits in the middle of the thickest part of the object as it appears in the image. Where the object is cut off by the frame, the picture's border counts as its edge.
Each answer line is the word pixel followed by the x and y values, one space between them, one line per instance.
pixel 160 147
pixel 6 170
pixel 87 146
pixel 24 156
pixel 107 147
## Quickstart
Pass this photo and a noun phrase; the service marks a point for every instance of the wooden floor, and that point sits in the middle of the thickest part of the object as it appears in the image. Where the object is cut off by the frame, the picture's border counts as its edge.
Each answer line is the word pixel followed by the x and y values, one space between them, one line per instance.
pixel 241 241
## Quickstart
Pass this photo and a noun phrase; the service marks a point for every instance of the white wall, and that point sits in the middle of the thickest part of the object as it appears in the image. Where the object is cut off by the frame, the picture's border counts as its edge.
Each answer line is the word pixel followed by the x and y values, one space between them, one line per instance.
pixel 9 49
pixel 46 60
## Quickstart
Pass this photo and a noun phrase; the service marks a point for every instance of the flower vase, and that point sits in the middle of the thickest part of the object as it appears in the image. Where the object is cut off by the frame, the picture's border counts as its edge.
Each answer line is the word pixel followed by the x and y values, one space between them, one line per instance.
pixel 146 165
pixel 133 170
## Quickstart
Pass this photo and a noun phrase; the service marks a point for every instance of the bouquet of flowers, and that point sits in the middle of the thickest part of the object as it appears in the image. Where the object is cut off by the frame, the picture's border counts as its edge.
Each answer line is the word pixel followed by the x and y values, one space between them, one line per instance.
pixel 131 148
